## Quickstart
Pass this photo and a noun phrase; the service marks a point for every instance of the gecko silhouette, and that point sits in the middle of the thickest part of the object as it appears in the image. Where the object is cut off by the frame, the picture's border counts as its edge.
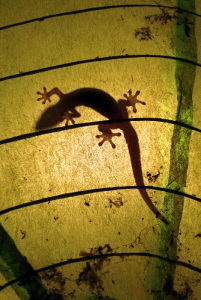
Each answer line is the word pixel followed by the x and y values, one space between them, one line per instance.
pixel 104 104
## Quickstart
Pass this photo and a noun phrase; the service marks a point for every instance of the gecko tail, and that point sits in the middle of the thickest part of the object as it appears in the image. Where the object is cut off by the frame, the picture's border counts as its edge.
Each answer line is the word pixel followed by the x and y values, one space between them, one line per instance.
pixel 162 218
pixel 152 207
pixel 134 151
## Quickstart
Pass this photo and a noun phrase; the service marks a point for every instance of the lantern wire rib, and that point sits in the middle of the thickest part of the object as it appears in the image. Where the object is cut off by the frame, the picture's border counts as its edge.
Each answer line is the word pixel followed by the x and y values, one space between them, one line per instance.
pixel 77 260
pixel 93 191
pixel 28 73
pixel 64 128
pixel 40 19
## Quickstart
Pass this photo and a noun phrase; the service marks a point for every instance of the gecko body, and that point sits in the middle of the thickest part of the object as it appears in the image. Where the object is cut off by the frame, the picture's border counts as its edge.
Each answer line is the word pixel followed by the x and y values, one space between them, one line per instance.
pixel 106 105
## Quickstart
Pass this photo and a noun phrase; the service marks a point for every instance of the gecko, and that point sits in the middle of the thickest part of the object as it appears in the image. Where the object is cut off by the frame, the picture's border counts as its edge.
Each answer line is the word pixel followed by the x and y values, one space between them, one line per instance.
pixel 104 104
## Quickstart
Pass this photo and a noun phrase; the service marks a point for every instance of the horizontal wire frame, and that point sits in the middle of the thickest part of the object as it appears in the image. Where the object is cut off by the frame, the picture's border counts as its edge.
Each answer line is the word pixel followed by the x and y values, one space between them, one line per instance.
pixel 64 128
pixel 77 260
pixel 126 56
pixel 93 191
pixel 40 19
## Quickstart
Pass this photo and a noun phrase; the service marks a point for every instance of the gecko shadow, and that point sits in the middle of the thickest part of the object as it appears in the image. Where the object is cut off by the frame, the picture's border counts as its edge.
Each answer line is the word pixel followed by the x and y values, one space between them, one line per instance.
pixel 92 98
pixel 106 105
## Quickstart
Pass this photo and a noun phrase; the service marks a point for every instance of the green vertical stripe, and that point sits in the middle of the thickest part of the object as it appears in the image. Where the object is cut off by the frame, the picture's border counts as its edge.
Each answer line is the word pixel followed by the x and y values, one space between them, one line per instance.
pixel 13 264
pixel 179 152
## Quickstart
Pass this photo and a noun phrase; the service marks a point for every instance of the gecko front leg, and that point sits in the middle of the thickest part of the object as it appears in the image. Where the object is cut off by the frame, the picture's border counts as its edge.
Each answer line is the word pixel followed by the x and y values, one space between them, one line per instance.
pixel 107 135
pixel 68 117
pixel 68 112
pixel 45 96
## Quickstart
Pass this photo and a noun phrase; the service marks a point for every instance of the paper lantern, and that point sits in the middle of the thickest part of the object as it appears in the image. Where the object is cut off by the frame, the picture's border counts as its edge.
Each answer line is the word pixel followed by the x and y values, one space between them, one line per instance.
pixel 100 190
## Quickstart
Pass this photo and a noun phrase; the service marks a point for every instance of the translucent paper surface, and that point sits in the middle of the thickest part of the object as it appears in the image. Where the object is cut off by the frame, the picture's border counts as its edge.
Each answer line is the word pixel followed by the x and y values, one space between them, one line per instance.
pixel 74 224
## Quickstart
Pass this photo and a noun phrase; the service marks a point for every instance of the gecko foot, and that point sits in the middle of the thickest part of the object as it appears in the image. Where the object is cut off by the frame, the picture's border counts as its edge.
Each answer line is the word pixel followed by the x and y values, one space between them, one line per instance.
pixel 68 117
pixel 107 135
pixel 132 100
pixel 44 95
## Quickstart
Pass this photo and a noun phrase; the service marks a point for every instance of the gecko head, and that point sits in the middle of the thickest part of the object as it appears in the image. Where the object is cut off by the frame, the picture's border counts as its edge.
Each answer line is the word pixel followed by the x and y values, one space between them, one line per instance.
pixel 50 117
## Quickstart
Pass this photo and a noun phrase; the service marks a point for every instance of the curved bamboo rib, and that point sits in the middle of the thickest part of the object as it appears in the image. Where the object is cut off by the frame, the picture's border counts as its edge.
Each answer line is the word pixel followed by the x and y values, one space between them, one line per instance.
pixel 40 19
pixel 59 129
pixel 93 191
pixel 95 60
pixel 76 260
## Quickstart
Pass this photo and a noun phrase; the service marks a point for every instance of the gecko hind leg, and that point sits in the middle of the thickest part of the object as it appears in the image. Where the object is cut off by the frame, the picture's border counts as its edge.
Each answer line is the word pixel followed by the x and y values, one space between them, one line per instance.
pixel 107 135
